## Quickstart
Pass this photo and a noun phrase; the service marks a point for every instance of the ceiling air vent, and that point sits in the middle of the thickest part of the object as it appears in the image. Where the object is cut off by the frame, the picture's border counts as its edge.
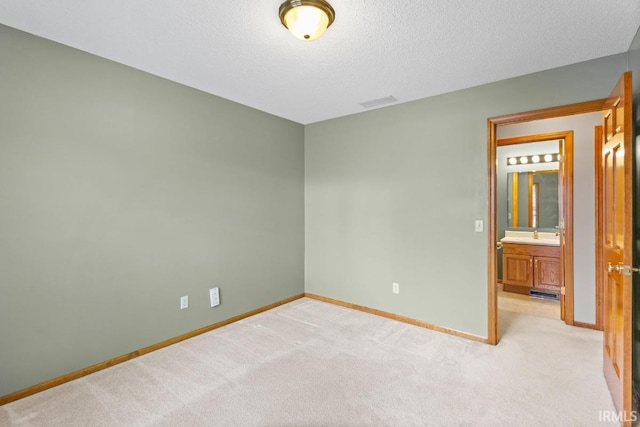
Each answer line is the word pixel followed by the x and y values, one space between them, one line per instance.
pixel 378 102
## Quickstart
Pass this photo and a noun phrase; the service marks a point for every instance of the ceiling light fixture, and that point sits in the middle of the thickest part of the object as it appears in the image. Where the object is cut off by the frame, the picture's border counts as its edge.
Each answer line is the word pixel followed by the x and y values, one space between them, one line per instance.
pixel 306 19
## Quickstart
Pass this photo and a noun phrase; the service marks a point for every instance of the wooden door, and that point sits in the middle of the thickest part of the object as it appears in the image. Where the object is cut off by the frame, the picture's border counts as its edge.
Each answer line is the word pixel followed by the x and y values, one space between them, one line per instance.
pixel 617 245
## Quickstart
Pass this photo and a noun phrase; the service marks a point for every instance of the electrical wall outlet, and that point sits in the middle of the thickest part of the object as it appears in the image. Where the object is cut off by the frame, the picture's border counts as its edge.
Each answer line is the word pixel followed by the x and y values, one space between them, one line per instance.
pixel 479 226
pixel 184 302
pixel 396 288
pixel 214 297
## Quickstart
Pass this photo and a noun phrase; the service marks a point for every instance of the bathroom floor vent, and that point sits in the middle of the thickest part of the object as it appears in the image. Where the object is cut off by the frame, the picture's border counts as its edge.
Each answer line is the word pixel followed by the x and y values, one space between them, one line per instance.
pixel 544 295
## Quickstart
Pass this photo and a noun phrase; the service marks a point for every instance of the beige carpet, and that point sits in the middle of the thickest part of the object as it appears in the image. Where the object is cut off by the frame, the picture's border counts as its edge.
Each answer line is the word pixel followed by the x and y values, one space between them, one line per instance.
pixel 309 363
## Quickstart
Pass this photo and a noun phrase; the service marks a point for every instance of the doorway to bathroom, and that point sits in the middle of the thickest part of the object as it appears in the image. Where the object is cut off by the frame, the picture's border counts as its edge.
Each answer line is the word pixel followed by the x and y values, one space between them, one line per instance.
pixel 578 118
pixel 611 157
pixel 534 224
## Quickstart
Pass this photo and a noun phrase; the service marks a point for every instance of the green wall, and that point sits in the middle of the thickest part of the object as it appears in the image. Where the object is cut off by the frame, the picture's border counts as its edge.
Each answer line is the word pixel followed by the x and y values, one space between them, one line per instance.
pixel 121 192
pixel 392 194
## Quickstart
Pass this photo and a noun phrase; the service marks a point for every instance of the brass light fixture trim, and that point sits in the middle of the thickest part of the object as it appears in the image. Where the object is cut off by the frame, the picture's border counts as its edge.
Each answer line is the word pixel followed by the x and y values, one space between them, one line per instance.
pixel 321 5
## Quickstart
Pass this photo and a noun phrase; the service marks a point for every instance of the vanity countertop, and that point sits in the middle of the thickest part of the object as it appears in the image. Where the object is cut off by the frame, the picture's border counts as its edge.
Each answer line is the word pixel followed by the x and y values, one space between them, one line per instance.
pixel 526 238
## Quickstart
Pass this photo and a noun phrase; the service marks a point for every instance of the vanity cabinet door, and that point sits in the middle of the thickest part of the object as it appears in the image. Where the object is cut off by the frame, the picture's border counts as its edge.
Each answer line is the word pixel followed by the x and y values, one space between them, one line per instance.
pixel 517 269
pixel 547 273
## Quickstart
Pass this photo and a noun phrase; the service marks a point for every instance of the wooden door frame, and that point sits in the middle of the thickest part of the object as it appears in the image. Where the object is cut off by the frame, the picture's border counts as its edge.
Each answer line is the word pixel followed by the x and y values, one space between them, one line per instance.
pixel 492 125
pixel 565 174
pixel 599 197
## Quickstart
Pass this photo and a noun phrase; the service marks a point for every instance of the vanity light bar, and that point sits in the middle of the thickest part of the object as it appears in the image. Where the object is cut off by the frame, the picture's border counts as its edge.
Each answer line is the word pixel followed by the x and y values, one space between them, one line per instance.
pixel 534 158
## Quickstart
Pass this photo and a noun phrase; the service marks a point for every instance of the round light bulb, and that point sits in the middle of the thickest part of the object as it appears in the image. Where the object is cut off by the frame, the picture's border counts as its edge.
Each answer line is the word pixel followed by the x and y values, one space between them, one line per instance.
pixel 524 160
pixel 535 159
pixel 306 22
pixel 513 160
pixel 548 157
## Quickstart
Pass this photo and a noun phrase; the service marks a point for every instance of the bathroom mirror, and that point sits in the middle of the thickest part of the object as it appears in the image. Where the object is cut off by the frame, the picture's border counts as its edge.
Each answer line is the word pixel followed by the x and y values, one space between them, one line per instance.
pixel 532 199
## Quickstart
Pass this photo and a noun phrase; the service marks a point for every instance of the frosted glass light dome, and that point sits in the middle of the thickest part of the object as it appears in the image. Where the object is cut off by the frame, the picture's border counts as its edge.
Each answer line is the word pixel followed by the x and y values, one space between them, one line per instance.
pixel 306 19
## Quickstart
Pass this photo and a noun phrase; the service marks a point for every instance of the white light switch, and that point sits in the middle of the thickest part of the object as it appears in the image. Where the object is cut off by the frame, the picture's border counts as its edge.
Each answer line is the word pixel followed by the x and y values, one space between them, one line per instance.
pixel 479 226
pixel 214 296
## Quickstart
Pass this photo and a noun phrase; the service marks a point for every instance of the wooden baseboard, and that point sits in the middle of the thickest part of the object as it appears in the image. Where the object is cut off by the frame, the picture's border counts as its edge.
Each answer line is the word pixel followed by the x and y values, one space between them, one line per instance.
pixel 123 358
pixel 398 318
pixel 586 325
pixel 116 360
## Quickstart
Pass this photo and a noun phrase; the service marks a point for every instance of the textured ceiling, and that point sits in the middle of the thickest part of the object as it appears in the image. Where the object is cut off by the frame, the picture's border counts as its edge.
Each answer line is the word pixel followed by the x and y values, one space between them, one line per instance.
pixel 237 49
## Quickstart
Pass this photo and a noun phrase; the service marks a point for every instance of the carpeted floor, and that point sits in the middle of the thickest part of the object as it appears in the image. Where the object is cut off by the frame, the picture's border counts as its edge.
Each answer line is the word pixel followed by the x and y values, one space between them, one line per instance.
pixel 309 363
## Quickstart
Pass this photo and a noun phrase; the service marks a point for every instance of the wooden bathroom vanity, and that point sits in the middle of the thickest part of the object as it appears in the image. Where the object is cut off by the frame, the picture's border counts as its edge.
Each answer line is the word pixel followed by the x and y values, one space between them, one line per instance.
pixel 527 267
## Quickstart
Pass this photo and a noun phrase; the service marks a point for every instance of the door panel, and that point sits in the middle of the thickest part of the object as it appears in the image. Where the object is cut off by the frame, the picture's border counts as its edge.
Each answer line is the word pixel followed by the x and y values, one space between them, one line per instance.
pixel 517 270
pixel 617 244
pixel 547 273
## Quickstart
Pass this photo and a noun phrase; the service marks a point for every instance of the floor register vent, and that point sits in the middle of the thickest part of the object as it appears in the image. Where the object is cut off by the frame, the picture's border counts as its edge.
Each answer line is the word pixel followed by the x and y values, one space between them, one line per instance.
pixel 544 295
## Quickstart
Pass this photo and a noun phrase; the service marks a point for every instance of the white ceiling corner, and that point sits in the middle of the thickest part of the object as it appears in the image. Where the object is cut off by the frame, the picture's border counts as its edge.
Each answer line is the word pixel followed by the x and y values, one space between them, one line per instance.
pixel 237 49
